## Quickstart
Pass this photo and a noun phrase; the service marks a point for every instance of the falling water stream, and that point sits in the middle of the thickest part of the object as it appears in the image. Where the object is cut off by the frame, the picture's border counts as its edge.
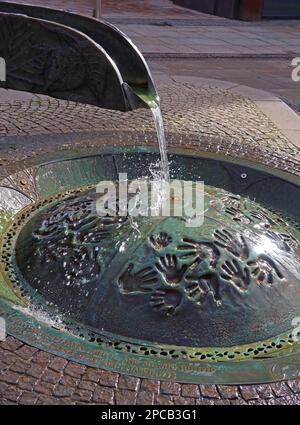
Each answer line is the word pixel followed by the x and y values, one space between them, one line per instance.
pixel 154 105
pixel 159 124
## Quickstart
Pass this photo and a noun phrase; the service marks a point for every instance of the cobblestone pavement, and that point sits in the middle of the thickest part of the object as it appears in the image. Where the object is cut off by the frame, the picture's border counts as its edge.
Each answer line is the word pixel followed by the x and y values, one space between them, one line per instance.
pixel 205 117
pixel 30 376
pixel 216 120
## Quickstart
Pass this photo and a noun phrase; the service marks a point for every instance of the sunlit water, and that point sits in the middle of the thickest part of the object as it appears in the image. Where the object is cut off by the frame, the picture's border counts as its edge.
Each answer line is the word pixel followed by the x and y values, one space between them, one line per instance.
pixel 159 124
pixel 154 105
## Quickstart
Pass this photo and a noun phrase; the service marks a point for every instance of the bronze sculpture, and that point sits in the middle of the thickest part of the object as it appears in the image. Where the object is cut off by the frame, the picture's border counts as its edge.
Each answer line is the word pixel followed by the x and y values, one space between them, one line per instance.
pixel 72 57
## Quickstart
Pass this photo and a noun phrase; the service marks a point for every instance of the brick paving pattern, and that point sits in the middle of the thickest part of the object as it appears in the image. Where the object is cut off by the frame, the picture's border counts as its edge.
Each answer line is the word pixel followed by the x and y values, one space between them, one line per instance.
pixel 214 119
pixel 30 376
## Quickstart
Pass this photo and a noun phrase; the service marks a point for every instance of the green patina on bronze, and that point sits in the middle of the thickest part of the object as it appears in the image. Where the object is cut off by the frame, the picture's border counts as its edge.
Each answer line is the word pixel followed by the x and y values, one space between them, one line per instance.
pixel 207 304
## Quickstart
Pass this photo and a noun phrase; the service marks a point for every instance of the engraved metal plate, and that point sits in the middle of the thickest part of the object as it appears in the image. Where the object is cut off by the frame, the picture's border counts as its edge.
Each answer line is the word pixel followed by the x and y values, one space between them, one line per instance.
pixel 209 304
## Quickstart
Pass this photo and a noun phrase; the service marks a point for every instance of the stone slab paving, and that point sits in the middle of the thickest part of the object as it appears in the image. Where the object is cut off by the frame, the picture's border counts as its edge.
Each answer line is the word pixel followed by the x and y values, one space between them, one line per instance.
pixel 245 39
pixel 208 116
pixel 161 28
pixel 132 9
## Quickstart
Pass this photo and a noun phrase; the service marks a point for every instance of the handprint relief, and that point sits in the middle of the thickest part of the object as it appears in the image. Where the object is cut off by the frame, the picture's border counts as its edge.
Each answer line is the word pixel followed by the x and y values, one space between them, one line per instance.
pixel 165 301
pixel 264 270
pixel 198 287
pixel 262 218
pixel 141 282
pixel 237 215
pixel 172 272
pixel 284 241
pixel 234 272
pixel 95 234
pixel 160 241
pixel 235 244
pixel 198 251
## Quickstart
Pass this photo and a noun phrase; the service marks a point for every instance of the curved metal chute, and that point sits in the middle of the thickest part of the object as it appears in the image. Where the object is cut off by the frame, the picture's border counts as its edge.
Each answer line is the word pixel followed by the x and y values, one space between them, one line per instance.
pixel 79 37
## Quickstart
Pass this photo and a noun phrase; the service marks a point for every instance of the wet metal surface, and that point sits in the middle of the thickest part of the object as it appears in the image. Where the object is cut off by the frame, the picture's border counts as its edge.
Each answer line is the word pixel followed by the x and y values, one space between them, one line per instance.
pixel 224 294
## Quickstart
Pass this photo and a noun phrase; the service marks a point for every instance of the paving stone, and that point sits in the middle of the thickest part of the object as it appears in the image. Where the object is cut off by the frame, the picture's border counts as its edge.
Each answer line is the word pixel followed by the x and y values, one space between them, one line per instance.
pixel 3 387
pixel 163 400
pixel 249 392
pixel 190 391
pixel 145 398
pixel 280 389
pixel 6 357
pixel 11 344
pixel 26 382
pixel 109 379
pixel 87 385
pixel 51 376
pixel 28 398
pixel 20 366
pixel 123 397
pixel 69 381
pixel 264 391
pixel 26 352
pixel 92 374
pixel 46 400
pixel 63 391
pixel 209 391
pixel 35 370
pixel 128 383
pixel 228 392
pixel 150 385
pixel 83 395
pixel 58 364
pixel 42 357
pixel 10 377
pixel 3 366
pixel 238 402
pixel 12 394
pixel 205 402
pixel 222 402
pixel 277 402
pixel 259 402
pixel 103 395
pixel 294 385
pixel 291 400
pixel 170 388
pixel 75 370
pixel 8 402
pixel 184 401
pixel 44 387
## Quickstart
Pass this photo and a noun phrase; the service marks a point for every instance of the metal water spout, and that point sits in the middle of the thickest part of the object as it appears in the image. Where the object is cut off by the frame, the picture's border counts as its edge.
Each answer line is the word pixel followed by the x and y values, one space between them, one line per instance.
pixel 72 57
